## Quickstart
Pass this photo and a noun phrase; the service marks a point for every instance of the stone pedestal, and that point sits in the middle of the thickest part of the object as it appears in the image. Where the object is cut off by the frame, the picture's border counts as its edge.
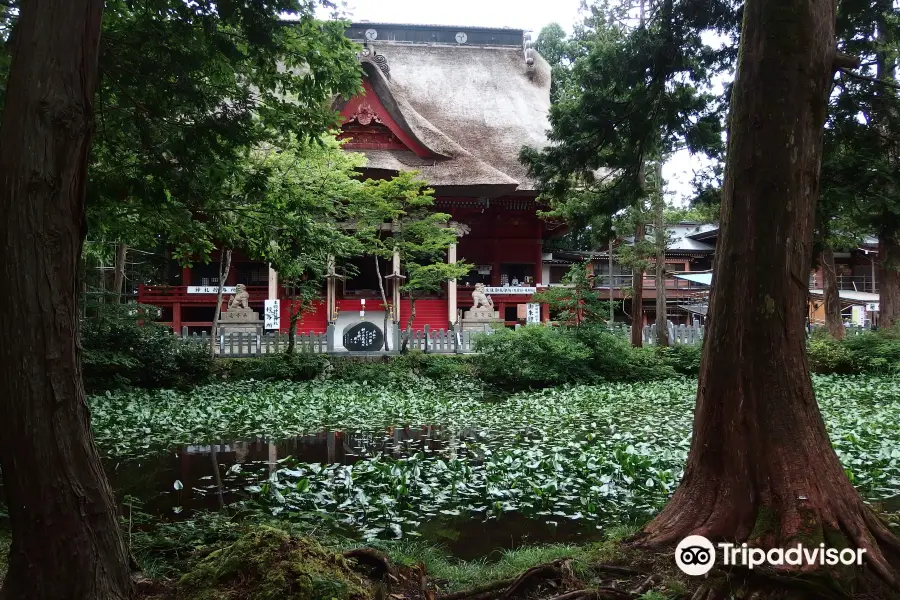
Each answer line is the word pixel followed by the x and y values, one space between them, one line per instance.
pixel 239 320
pixel 482 320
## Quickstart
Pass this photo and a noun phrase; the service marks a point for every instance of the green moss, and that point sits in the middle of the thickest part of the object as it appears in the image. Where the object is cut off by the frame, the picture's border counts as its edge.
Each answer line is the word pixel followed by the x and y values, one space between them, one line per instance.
pixel 269 564
pixel 767 524
pixel 5 541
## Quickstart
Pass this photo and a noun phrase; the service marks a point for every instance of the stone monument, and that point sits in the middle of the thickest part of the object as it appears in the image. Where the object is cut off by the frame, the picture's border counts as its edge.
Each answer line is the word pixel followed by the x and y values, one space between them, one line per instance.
pixel 364 336
pixel 239 318
pixel 481 317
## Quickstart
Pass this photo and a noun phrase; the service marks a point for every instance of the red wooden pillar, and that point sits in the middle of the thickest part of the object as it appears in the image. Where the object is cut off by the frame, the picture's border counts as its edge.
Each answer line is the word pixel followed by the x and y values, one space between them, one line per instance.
pixel 495 263
pixel 539 255
pixel 232 275
pixel 545 312
pixel 176 318
pixel 186 276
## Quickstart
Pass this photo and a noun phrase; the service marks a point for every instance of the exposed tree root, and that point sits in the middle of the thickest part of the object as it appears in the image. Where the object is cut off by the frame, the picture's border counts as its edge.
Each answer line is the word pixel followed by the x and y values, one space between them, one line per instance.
pixel 479 590
pixel 377 561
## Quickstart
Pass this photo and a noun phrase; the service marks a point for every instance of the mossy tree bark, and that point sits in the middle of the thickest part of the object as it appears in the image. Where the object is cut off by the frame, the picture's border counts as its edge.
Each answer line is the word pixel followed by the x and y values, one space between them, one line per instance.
pixel 761 467
pixel 66 541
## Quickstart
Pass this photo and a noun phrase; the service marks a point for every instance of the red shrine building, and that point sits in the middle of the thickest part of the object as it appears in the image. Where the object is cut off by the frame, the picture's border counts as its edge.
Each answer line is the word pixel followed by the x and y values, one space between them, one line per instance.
pixel 456 104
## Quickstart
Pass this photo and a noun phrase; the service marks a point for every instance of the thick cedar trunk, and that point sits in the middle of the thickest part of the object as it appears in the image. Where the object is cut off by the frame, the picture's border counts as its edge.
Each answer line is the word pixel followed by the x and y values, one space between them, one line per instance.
pixel 119 277
pixel 761 466
pixel 833 321
pixel 889 282
pixel 66 541
pixel 637 302
pixel 224 267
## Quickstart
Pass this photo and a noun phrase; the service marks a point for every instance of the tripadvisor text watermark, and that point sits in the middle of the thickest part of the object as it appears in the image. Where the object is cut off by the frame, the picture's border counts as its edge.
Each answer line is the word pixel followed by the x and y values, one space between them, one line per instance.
pixel 696 555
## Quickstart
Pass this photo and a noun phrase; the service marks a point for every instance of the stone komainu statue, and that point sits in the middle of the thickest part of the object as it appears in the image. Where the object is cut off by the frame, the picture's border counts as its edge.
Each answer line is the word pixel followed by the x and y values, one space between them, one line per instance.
pixel 480 299
pixel 241 298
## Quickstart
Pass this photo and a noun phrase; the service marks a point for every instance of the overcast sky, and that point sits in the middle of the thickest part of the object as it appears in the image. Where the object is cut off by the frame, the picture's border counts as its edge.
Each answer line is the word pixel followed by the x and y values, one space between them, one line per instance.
pixel 525 14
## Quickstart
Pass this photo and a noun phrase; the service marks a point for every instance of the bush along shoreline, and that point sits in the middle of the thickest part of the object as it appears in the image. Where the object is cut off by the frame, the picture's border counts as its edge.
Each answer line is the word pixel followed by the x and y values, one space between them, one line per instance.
pixel 121 352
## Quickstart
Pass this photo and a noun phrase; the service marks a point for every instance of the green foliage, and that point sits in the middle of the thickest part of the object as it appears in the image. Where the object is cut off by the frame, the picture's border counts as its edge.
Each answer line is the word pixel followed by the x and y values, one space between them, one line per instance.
pixel 593 455
pixel 411 365
pixel 537 356
pixel 579 304
pixel 122 348
pixel 683 358
pixel 276 367
pixel 533 356
pixel 270 564
pixel 868 352
pixel 636 93
pixel 188 92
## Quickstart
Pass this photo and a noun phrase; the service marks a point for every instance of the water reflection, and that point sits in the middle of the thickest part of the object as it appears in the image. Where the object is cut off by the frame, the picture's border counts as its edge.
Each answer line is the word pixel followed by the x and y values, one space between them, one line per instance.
pixel 208 481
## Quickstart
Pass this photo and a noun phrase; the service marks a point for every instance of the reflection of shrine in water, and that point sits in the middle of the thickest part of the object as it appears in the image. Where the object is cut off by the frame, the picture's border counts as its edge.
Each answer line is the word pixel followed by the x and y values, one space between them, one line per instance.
pixel 209 480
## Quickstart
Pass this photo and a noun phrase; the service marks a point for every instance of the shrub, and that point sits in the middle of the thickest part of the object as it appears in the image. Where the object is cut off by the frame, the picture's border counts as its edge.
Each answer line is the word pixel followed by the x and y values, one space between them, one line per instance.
pixel 121 349
pixel 533 356
pixel 299 366
pixel 684 359
pixel 869 352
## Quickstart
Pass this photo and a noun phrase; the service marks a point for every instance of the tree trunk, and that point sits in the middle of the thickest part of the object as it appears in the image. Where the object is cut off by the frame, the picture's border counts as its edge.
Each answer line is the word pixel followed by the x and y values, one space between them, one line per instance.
pixel 637 302
pixel 409 322
pixel 889 284
pixel 833 321
pixel 294 318
pixel 224 267
pixel 66 541
pixel 119 276
pixel 384 301
pixel 659 237
pixel 761 467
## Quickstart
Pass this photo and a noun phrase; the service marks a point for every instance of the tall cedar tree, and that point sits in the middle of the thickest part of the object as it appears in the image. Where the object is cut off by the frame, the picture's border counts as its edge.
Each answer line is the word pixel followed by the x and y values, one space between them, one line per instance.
pixel 66 540
pixel 634 94
pixel 761 468
pixel 861 167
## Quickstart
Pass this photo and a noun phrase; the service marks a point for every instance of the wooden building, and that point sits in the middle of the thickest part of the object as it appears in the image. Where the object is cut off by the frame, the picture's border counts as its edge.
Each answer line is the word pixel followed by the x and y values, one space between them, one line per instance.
pixel 456 104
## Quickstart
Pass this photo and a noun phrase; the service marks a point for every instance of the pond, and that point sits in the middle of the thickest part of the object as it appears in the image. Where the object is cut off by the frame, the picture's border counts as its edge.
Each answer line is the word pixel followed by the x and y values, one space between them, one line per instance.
pixel 417 459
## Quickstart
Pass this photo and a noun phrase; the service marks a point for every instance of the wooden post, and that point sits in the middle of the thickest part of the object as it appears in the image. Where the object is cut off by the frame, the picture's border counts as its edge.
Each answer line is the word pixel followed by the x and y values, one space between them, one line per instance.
pixel 330 333
pixel 176 316
pixel 184 333
pixel 273 283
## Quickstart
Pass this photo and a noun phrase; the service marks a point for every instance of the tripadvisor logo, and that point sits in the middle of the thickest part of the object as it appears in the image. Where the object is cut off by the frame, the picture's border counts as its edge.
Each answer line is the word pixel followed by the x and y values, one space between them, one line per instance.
pixel 695 555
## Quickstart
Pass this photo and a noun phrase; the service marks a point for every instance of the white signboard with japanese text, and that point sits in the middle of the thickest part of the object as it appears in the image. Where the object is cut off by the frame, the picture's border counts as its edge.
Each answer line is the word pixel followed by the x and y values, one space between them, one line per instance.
pixel 273 314
pixel 210 289
pixel 858 316
pixel 872 307
pixel 515 291
pixel 534 313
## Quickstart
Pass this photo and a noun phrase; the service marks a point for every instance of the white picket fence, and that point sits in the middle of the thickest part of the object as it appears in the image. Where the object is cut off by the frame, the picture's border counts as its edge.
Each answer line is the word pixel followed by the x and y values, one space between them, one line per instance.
pixel 248 344
pixel 678 334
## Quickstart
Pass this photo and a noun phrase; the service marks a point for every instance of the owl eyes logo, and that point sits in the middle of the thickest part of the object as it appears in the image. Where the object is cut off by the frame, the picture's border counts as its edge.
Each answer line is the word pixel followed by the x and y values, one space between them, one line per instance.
pixel 695 555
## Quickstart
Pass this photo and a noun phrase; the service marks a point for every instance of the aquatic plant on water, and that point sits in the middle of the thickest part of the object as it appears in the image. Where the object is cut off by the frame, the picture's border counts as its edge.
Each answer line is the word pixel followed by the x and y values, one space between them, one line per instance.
pixel 592 455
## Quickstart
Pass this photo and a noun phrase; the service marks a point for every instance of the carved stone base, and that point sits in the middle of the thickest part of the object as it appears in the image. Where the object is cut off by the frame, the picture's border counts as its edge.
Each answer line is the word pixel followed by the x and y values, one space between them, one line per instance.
pixel 239 315
pixel 481 314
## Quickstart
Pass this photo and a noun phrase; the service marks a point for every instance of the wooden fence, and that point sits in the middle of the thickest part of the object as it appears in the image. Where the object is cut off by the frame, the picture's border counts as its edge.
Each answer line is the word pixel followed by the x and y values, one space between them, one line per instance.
pixel 678 334
pixel 242 345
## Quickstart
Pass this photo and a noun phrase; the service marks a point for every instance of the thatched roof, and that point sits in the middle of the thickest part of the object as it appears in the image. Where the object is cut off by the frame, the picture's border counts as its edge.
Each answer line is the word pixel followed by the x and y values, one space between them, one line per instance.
pixel 472 106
